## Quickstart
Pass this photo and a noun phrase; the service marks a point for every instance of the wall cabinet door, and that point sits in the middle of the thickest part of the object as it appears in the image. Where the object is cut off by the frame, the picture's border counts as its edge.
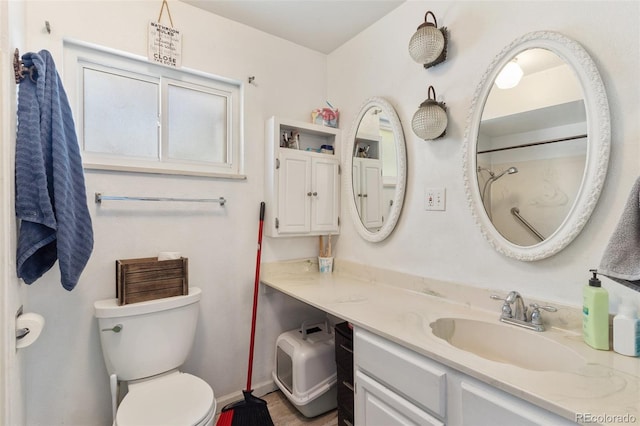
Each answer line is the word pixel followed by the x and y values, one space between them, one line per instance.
pixel 325 195
pixel 294 190
pixel 309 194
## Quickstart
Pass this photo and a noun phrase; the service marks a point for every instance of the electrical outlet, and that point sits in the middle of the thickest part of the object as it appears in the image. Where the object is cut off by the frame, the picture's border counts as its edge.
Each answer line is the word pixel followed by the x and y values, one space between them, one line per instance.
pixel 434 199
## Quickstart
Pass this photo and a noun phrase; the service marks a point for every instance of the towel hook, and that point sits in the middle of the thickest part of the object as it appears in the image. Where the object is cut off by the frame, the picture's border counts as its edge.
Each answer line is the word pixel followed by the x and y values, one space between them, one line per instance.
pixel 20 71
pixel 47 27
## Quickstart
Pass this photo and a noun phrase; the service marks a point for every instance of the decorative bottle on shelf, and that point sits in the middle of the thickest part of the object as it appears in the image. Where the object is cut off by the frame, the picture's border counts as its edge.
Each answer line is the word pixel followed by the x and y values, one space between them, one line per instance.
pixel 626 331
pixel 595 314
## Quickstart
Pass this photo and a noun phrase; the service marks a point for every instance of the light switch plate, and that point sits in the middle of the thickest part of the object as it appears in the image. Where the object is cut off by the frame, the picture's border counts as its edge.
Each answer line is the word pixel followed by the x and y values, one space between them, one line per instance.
pixel 434 199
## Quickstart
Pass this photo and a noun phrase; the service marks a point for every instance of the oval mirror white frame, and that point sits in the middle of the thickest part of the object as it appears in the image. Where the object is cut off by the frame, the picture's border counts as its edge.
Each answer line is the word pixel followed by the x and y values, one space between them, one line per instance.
pixel 401 161
pixel 597 159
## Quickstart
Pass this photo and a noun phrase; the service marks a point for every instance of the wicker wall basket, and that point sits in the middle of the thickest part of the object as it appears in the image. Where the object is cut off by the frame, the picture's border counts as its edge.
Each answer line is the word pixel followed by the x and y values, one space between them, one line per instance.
pixel 139 280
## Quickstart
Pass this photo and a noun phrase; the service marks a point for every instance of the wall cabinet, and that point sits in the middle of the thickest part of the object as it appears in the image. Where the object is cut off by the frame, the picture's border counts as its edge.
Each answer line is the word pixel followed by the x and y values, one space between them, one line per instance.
pixel 396 386
pixel 302 179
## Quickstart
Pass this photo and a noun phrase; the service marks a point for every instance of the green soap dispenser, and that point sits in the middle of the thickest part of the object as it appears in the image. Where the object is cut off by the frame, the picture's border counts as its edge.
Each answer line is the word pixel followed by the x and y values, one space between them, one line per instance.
pixel 595 314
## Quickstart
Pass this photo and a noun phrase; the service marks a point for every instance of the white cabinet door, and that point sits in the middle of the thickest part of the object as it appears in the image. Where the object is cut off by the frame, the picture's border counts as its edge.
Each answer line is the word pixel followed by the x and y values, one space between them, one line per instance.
pixel 367 183
pixel 372 193
pixel 376 405
pixel 485 406
pixel 325 195
pixel 294 189
pixel 309 197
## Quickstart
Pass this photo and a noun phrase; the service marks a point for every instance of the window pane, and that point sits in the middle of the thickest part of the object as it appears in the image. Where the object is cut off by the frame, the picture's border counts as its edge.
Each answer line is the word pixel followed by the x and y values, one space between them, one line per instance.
pixel 196 125
pixel 120 114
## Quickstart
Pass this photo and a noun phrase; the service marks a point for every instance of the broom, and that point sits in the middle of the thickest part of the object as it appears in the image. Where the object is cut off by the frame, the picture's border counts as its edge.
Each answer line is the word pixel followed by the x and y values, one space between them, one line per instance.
pixel 251 411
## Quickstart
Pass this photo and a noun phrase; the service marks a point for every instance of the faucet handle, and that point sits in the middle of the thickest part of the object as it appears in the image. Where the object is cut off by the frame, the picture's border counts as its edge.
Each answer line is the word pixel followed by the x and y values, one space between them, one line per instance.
pixel 506 306
pixel 547 308
pixel 536 318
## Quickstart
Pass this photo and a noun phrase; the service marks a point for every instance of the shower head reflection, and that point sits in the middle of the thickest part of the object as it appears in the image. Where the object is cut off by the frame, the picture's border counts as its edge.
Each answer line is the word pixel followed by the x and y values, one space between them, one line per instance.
pixel 509 171
pixel 493 177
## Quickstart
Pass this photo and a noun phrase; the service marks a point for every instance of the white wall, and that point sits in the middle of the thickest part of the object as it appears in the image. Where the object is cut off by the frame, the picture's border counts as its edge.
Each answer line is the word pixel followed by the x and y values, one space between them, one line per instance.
pixel 66 378
pixel 12 377
pixel 448 245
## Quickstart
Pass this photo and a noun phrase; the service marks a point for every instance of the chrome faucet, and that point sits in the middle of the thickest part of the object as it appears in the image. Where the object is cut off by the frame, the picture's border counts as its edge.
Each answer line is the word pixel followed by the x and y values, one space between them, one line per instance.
pixel 519 315
pixel 520 311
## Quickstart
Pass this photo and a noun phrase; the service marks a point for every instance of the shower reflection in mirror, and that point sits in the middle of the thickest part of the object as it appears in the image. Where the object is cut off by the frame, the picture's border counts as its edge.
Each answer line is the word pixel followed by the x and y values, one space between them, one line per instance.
pixel 487 184
pixel 531 149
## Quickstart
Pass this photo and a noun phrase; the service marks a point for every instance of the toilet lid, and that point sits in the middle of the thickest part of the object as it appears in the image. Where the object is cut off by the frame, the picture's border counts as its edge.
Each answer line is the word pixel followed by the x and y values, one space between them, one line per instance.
pixel 176 399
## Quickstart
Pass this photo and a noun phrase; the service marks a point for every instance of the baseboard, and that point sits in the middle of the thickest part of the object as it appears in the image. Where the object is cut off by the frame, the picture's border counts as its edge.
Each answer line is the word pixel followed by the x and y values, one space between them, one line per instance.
pixel 259 390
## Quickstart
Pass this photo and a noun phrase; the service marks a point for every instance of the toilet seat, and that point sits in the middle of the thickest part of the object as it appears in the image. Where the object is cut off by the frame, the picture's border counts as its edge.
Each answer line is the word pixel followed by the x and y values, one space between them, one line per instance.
pixel 174 399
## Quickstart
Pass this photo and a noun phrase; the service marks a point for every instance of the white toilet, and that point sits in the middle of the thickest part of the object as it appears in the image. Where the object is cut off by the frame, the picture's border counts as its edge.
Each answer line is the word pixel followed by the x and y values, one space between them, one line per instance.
pixel 144 344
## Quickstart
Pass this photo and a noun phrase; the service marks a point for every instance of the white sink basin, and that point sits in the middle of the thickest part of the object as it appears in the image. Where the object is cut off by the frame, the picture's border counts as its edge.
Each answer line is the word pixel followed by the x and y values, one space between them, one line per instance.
pixel 507 344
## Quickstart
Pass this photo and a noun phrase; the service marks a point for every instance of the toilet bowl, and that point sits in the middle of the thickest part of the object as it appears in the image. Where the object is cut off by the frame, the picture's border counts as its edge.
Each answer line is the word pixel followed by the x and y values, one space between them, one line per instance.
pixel 144 344
pixel 171 400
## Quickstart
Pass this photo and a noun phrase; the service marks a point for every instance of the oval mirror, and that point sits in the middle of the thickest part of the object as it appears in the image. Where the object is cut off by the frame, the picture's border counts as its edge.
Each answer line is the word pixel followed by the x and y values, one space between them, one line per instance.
pixel 536 148
pixel 377 160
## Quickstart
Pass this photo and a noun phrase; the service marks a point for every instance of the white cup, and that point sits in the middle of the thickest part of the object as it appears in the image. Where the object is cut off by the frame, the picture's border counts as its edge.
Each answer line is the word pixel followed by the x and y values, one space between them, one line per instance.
pixel 325 264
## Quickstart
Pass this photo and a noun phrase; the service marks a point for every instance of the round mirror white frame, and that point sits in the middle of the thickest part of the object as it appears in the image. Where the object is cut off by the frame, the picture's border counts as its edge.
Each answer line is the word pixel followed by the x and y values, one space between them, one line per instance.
pixel 401 161
pixel 597 159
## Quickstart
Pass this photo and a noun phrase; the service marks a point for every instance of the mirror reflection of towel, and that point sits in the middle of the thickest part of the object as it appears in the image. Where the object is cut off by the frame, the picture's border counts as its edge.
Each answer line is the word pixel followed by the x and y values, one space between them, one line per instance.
pixel 621 259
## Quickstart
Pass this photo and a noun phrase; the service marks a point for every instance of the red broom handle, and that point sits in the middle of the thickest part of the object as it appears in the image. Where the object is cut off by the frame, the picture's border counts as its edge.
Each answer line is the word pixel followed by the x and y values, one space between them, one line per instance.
pixel 255 298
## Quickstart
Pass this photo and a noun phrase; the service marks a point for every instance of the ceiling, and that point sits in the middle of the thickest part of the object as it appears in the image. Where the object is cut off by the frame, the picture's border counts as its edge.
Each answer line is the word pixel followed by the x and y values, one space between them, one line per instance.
pixel 321 25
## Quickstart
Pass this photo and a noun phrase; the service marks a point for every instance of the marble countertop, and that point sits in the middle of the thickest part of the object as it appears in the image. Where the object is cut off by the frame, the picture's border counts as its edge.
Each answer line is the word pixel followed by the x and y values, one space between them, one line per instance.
pixel 400 307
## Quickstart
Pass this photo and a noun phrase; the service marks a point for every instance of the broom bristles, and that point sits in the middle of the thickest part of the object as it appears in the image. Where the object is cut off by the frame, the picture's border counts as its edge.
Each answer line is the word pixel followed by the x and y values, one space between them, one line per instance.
pixel 251 411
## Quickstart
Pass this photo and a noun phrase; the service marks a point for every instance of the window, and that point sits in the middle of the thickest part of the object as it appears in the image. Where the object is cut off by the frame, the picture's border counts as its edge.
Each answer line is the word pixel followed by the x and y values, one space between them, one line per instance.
pixel 134 115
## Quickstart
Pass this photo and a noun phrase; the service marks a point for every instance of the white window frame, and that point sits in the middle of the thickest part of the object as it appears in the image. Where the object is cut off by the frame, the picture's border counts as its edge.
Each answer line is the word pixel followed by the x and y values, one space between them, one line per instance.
pixel 80 55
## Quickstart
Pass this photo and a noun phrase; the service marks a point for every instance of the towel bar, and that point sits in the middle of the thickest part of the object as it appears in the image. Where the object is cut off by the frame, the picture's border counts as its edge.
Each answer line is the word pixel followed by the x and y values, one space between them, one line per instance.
pixel 99 198
pixel 516 212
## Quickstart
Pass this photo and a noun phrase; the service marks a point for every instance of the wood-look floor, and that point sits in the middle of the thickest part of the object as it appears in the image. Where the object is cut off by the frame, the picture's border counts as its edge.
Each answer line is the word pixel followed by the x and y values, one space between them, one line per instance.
pixel 283 413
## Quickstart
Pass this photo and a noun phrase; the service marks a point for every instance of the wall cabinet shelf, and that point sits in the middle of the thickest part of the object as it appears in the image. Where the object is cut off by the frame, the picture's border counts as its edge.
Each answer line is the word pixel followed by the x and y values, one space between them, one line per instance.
pixel 302 179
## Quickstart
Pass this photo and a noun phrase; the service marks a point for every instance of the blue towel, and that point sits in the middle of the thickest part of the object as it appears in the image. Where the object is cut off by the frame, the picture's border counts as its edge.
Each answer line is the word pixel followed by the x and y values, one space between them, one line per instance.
pixel 51 199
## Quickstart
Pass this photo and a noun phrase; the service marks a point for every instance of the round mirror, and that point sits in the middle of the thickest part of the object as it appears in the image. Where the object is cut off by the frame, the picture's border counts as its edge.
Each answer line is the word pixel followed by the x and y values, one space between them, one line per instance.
pixel 537 146
pixel 377 160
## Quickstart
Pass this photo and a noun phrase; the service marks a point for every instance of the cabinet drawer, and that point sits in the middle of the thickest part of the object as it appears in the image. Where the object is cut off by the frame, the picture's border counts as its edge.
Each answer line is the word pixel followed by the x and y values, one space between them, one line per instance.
pixel 345 392
pixel 344 350
pixel 408 373
pixel 378 405
pixel 344 359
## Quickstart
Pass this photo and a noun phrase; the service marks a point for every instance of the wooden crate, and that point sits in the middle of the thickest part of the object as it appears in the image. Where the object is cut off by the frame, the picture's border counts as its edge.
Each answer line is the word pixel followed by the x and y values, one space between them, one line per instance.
pixel 138 280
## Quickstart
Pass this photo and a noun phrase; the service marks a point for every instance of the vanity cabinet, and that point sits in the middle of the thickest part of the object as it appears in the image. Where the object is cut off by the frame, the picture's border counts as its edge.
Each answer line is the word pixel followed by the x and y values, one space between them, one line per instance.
pixel 367 190
pixel 396 386
pixel 302 182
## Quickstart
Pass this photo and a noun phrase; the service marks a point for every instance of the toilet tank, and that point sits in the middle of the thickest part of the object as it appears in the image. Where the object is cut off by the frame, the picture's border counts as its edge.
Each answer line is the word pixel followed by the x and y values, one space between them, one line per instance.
pixel 155 336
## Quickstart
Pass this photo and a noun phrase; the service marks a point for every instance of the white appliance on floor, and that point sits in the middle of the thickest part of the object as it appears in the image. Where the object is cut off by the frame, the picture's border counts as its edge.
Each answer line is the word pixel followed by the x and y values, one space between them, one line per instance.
pixel 305 369
pixel 143 345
